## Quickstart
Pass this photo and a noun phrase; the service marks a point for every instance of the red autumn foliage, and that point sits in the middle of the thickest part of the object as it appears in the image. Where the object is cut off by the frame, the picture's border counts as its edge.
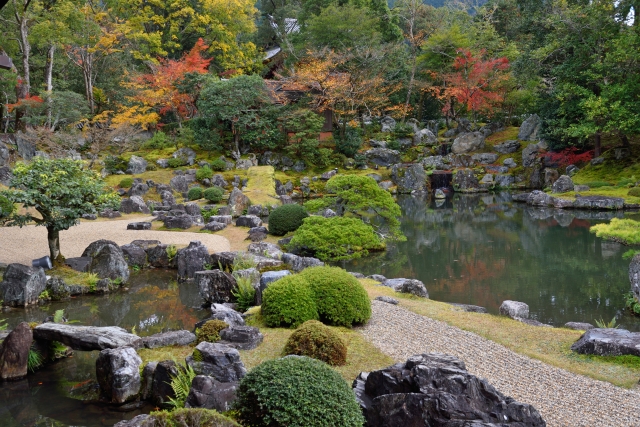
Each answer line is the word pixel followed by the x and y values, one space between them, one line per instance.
pixel 29 101
pixel 568 156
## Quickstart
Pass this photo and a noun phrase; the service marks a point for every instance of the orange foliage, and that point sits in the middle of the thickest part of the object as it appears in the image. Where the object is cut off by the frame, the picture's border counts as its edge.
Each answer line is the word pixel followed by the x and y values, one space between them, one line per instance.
pixel 29 101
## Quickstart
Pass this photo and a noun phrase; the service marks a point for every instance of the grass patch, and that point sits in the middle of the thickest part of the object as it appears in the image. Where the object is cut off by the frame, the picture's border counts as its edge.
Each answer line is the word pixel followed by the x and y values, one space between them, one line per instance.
pixel 509 133
pixel 549 345
pixel 261 187
pixel 73 277
pixel 177 353
pixel 621 192
pixel 625 231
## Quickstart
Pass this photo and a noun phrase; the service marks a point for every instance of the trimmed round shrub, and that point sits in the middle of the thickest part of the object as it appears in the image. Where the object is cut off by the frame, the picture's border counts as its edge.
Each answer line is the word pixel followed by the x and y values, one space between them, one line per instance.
pixel 126 183
pixel 315 340
pixel 288 302
pixel 6 207
pixel 176 162
pixel 286 218
pixel 296 392
pixel 189 417
pixel 340 299
pixel 204 173
pixel 194 193
pixel 210 331
pixel 634 192
pixel 219 165
pixel 213 194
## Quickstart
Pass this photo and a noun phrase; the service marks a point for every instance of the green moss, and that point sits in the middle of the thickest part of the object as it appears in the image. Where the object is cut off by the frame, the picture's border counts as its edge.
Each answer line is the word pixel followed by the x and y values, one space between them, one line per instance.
pixel 315 340
pixel 189 417
pixel 210 331
pixel 261 186
pixel 126 182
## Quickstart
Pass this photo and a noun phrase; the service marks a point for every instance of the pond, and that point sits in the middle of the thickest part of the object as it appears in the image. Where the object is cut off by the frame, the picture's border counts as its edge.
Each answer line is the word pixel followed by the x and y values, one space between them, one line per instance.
pixel 484 249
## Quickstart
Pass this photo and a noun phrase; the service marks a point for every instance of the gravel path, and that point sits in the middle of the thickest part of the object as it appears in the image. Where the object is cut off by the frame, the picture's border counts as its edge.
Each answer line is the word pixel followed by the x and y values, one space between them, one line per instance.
pixel 27 243
pixel 563 398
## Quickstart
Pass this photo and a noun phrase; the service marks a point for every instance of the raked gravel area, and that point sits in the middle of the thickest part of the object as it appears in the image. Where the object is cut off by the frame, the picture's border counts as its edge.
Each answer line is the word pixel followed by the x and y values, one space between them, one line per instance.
pixel 24 244
pixel 563 398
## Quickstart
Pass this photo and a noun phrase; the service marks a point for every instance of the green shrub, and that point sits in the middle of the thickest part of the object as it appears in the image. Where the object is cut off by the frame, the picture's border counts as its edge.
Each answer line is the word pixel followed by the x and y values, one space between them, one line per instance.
pixel 625 231
pixel 598 184
pixel 159 140
pixel 245 294
pixel 296 392
pixel 176 162
pixel 210 331
pixel 632 304
pixel 288 302
pixel 213 194
pixel 634 192
pixel 194 193
pixel 340 298
pixel 286 218
pixel 403 130
pixel 126 183
pixel 315 340
pixel 350 143
pixel 6 207
pixel 204 173
pixel 115 164
pixel 189 417
pixel 219 165
pixel 337 238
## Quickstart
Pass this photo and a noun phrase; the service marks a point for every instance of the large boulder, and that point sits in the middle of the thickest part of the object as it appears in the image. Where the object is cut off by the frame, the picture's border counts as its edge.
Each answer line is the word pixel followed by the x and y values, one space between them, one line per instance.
pixel 224 219
pixel 161 390
pixel 599 203
pixel 407 286
pixel 485 158
pixel 134 255
pixel 185 153
pixel 248 221
pixel 107 260
pixel 191 259
pixel 382 156
pixel 563 184
pixel 465 181
pixel 207 392
pixel 14 352
pixel 216 286
pixel 57 288
pixel 388 124
pixel 4 155
pixel 269 250
pixel 136 165
pixel 468 142
pixel 182 221
pixel 424 136
pixel 507 147
pixel 530 129
pixel 241 337
pixel 514 309
pixel 299 263
pixel 118 373
pixel 169 338
pixel 409 178
pixel 266 279
pixel 226 314
pixel 530 155
pixel 238 202
pixel 138 189
pixel 133 204
pixel 5 175
pixel 179 183
pixel 608 342
pixel 21 285
pixel 87 338
pixel 436 390
pixel 218 361
pixel 634 276
pixel 158 256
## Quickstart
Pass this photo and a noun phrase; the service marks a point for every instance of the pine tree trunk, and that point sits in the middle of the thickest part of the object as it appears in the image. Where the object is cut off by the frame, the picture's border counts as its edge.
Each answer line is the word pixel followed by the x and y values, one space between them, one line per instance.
pixel 597 145
pixel 53 236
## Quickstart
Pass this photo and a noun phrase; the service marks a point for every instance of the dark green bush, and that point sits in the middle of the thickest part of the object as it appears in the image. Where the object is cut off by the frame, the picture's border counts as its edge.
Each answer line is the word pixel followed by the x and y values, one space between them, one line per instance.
pixel 219 165
pixel 288 302
pixel 337 238
pixel 286 218
pixel 213 194
pixel 115 164
pixel 189 417
pixel 204 173
pixel 340 298
pixel 296 392
pixel 210 331
pixel 194 193
pixel 403 130
pixel 176 162
pixel 635 192
pixel 350 143
pixel 6 207
pixel 126 183
pixel 159 140
pixel 315 340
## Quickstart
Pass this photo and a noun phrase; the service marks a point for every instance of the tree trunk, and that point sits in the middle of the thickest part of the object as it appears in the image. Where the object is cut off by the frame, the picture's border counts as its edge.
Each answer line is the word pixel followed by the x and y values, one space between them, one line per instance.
pixel 48 79
pixel 597 145
pixel 410 88
pixel 53 236
pixel 625 140
pixel 24 85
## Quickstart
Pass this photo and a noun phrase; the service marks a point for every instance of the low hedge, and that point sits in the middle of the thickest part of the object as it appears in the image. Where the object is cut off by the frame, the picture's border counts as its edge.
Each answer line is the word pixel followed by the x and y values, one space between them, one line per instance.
pixel 213 194
pixel 126 183
pixel 204 173
pixel 288 302
pixel 194 193
pixel 286 218
pixel 315 340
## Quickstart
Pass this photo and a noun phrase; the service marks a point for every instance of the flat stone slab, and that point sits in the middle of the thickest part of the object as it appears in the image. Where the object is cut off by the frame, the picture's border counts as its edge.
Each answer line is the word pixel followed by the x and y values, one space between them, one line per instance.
pixel 608 342
pixel 469 308
pixel 169 338
pixel 87 338
pixel 579 326
pixel 139 226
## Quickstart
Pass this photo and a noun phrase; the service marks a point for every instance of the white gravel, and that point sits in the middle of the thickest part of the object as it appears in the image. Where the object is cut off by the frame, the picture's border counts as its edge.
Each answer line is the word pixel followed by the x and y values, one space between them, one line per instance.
pixel 24 244
pixel 563 398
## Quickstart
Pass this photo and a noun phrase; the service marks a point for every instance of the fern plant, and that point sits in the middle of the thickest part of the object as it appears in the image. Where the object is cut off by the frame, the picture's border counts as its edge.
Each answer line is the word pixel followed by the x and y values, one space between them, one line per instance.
pixel 34 360
pixel 58 350
pixel 244 261
pixel 181 384
pixel 3 324
pixel 172 251
pixel 600 323
pixel 245 293
pixel 58 316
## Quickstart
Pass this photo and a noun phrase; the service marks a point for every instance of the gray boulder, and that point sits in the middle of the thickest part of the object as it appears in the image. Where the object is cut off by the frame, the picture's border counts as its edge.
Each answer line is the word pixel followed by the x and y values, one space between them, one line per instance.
pixel 136 165
pixel 118 373
pixel 167 198
pixel 215 286
pixel 409 178
pixel 226 314
pixel 507 147
pixel 206 392
pixel 161 390
pixel 388 124
pixel 504 181
pixel 439 194
pixel 224 219
pixel 133 204
pixel 179 221
pixel 87 338
pixel 4 155
pixel 514 309
pixel 510 163
pixel 21 285
pixel 550 177
pixel 142 420
pixel 608 342
pixel 530 128
pixel 571 170
pixel 268 250
pixel 185 153
pixel 134 255
pixel 530 155
pixel 191 259
pixel 436 390
pixel 179 183
pixel 165 339
pixel 485 158
pixel 107 260
pixel 465 181
pixel 562 185
pixel 214 226
pixel 163 163
pixel 382 156
pixel 158 257
pixel 238 202
pixel 377 277
pixel 5 175
pixel 248 221
pixel 80 264
pixel 14 352
pixel 599 203
pixel 407 286
pixel 298 263
pixel 57 289
pixel 241 337
pixel 139 226
pixel 468 142
pixel 138 189
pixel 579 326
pixel 387 299
pixel 328 175
pixel 266 279
pixel 218 361
pixel 470 308
pixel 424 136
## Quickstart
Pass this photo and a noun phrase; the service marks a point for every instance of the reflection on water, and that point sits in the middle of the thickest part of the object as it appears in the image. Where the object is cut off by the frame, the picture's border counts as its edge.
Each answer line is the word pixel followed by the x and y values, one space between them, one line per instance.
pixel 63 394
pixel 484 249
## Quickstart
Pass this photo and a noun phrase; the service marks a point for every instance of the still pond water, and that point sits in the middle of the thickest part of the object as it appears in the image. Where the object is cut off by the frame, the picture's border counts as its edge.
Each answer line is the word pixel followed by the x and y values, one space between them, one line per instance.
pixel 477 249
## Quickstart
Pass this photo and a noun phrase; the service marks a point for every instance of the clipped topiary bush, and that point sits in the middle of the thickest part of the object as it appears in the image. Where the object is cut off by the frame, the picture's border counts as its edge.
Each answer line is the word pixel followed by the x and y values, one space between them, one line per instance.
pixel 213 194
pixel 210 331
pixel 204 173
pixel 634 192
pixel 315 340
pixel 219 165
pixel 126 183
pixel 286 218
pixel 194 193
pixel 288 302
pixel 189 417
pixel 6 207
pixel 340 298
pixel 337 238
pixel 296 392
